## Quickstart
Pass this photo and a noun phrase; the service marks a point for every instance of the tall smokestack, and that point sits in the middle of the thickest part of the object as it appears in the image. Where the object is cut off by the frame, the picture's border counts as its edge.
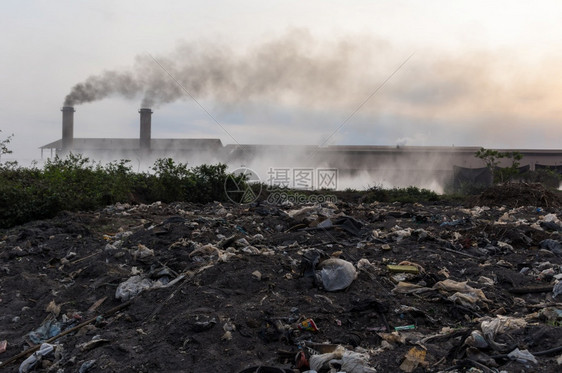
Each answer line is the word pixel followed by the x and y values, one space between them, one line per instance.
pixel 145 124
pixel 67 128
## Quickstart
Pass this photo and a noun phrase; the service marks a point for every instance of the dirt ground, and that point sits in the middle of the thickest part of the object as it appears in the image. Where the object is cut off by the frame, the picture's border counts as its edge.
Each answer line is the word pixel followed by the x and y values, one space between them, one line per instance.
pixel 232 288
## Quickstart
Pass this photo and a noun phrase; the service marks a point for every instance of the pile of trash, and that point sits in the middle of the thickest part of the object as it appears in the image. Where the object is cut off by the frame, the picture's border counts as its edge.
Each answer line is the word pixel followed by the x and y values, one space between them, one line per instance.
pixel 520 194
pixel 332 287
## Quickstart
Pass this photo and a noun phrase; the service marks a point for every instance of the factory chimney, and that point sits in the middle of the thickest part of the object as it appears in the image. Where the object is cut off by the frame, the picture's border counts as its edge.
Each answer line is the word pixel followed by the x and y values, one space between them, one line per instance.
pixel 145 124
pixel 67 128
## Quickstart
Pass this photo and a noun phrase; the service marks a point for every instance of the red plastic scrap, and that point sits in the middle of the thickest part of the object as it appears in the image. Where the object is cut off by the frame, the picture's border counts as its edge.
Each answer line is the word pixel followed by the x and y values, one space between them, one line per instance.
pixel 301 362
pixel 308 325
pixel 3 346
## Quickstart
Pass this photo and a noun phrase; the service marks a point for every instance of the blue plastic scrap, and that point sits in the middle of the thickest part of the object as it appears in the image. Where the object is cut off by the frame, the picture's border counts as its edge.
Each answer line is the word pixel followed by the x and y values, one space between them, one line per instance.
pixel 86 366
pixel 46 331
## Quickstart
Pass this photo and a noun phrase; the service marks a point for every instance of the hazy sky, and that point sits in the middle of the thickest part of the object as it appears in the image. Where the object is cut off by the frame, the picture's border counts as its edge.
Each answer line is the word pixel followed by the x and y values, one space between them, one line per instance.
pixel 468 73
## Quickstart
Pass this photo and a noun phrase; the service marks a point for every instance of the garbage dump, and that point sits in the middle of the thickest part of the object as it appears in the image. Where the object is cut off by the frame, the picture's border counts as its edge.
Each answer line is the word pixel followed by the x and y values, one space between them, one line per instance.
pixel 333 287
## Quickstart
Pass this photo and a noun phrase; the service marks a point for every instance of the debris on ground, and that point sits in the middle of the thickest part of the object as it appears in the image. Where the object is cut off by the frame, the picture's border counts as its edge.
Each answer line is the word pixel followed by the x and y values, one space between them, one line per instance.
pixel 344 286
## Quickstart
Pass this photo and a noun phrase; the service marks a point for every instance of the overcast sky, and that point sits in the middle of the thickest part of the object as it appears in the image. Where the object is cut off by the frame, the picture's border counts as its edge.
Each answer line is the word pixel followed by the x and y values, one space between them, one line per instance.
pixel 463 73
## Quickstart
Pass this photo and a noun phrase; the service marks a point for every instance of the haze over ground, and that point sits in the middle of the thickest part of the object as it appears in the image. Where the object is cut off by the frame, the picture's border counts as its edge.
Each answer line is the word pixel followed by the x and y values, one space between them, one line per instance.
pixel 468 73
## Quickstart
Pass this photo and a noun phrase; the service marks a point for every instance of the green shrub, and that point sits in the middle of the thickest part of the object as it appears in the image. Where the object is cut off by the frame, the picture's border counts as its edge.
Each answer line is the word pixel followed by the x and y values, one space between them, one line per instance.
pixel 546 177
pixel 24 196
pixel 76 183
pixel 410 194
pixel 208 182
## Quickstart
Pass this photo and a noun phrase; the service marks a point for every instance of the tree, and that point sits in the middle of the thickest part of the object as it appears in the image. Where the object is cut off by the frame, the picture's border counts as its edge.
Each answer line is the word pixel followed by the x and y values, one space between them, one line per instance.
pixel 505 174
pixel 4 146
pixel 492 159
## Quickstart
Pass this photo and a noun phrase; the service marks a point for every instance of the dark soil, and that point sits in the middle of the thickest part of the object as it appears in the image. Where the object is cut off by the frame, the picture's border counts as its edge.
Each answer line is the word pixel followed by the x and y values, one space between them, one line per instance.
pixel 239 302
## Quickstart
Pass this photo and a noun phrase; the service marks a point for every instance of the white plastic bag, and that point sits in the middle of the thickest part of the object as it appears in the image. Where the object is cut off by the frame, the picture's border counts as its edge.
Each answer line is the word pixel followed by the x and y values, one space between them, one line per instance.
pixel 28 364
pixel 132 287
pixel 337 274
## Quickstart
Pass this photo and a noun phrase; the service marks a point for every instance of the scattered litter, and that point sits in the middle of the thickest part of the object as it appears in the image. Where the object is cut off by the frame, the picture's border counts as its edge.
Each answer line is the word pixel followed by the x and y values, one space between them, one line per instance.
pixel 29 364
pixel 46 331
pixel 53 308
pixel 402 268
pixel 341 359
pixel 132 287
pixel 137 284
pixel 95 342
pixel 463 292
pixel 86 366
pixel 409 288
pixel 308 325
pixel 552 245
pixel 336 274
pixel 500 325
pixel 557 289
pixel 456 222
pixel 404 327
pixel 476 339
pixel 257 275
pixel 486 281
pixel 413 359
pixel 142 252
pixel 330 287
pixel 522 356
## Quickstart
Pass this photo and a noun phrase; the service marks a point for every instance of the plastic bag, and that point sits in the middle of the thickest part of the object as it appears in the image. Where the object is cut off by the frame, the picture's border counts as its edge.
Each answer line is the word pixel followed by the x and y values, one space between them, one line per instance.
pixel 461 287
pixel 557 289
pixel 552 245
pixel 501 324
pixel 354 362
pixel 337 274
pixel 132 287
pixel 28 364
pixel 46 331
pixel 522 356
pixel 321 361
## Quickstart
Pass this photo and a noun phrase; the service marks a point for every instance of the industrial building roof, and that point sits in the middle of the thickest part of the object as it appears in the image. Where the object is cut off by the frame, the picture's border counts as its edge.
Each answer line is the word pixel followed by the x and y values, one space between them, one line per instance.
pixel 133 144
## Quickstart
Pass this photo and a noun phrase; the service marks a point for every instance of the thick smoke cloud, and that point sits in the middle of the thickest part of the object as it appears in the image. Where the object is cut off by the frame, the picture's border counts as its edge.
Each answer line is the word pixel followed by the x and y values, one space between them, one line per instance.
pixel 294 69
pixel 298 70
pixel 98 87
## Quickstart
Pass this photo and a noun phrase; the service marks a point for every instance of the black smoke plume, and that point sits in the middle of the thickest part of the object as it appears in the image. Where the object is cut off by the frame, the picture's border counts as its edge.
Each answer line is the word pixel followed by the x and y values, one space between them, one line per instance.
pixel 294 69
